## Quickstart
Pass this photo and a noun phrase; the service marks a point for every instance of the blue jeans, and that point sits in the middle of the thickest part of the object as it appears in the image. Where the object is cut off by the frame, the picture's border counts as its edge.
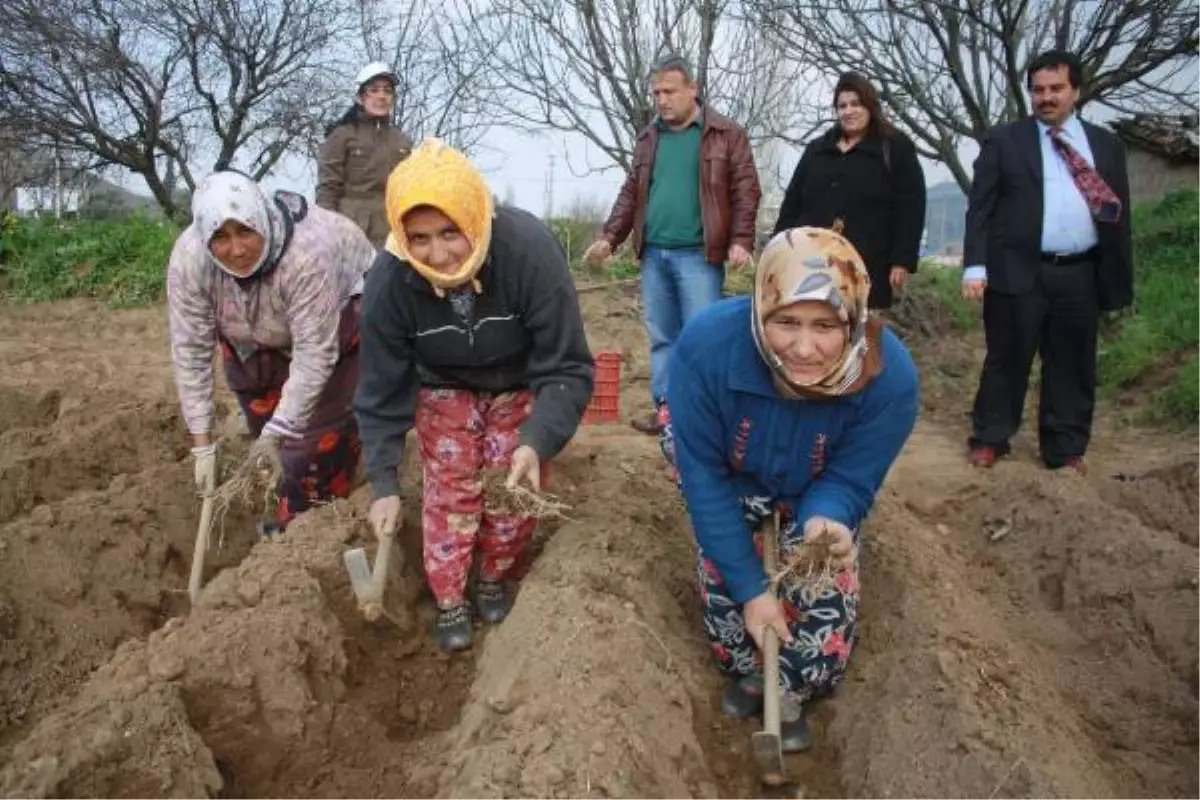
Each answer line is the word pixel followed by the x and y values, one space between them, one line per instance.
pixel 676 284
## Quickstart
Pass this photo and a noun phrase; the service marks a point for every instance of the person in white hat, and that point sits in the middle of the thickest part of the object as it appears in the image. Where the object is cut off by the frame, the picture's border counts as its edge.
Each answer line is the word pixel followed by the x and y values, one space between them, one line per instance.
pixel 360 151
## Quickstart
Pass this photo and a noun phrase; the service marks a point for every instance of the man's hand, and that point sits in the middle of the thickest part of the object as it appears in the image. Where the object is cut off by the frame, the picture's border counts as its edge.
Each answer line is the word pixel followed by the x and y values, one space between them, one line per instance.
pixel 384 515
pixel 525 465
pixel 738 256
pixel 836 537
pixel 762 612
pixel 264 454
pixel 898 277
pixel 204 467
pixel 599 252
pixel 974 289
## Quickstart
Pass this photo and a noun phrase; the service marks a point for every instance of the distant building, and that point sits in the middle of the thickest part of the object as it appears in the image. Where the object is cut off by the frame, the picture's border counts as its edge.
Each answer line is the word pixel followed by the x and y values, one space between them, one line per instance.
pixel 1163 153
pixel 20 164
pixel 32 184
pixel 950 255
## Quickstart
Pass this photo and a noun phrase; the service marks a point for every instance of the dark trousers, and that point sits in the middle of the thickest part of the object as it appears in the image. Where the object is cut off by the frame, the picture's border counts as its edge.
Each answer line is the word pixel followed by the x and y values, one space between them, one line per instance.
pixel 1057 319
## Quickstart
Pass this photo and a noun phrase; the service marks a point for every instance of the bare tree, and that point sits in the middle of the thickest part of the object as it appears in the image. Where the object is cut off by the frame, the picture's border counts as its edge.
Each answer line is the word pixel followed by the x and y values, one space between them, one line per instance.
pixel 91 77
pixel 951 69
pixel 441 71
pixel 164 87
pixel 582 67
pixel 258 70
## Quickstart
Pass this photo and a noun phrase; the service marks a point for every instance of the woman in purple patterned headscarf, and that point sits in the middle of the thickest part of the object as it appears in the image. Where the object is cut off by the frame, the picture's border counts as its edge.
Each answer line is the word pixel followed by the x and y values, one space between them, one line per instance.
pixel 275 285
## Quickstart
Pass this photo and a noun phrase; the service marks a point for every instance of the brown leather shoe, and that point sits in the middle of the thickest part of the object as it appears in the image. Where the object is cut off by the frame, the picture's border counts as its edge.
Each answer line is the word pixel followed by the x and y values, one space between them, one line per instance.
pixel 647 424
pixel 983 456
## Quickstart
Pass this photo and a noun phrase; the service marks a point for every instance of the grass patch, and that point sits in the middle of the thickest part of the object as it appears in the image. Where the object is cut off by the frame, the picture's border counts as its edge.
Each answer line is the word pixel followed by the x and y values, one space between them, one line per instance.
pixel 943 285
pixel 620 268
pixel 1159 334
pixel 121 262
pixel 1179 403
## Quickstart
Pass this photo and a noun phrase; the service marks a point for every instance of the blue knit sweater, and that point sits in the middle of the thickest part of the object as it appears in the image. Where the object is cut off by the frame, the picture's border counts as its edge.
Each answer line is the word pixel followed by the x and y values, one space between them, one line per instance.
pixel 735 436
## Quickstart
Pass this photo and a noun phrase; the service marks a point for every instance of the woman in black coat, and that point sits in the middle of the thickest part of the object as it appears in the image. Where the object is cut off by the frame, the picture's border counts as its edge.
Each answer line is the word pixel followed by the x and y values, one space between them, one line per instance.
pixel 865 174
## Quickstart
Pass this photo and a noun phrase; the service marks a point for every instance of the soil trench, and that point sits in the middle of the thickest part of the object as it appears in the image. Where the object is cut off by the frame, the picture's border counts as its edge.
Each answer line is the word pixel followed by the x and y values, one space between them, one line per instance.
pixel 1022 632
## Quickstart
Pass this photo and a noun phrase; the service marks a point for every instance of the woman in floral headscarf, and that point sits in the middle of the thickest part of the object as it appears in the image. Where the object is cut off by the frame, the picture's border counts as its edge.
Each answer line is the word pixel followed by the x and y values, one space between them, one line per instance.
pixel 472 334
pixel 275 285
pixel 793 400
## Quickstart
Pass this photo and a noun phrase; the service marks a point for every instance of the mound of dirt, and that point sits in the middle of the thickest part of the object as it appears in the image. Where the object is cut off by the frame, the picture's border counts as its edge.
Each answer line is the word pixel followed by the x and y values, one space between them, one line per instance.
pixel 135 743
pixel 259 672
pixel 1023 632
pixel 1023 635
pixel 21 410
pixel 82 574
pixel 45 464
pixel 588 688
pixel 1164 498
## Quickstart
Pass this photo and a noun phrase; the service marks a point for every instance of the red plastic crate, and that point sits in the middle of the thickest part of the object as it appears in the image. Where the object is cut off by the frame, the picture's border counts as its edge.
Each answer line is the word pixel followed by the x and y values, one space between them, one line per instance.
pixel 605 405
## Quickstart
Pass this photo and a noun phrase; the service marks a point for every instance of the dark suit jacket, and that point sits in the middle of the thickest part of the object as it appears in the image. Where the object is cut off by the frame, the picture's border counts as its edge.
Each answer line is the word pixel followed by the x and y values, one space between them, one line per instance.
pixel 1004 214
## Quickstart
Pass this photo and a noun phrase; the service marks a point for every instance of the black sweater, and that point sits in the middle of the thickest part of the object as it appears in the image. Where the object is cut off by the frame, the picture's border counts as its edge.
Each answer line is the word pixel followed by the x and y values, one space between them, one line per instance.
pixel 877 189
pixel 524 331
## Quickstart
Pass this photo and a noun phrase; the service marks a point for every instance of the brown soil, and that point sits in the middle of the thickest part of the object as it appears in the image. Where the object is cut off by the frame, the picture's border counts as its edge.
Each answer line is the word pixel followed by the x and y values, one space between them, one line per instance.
pixel 1023 632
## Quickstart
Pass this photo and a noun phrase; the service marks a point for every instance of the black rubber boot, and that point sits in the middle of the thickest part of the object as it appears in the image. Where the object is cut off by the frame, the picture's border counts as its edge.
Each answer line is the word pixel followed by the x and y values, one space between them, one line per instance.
pixel 268 529
pixel 794 733
pixel 743 697
pixel 453 629
pixel 494 601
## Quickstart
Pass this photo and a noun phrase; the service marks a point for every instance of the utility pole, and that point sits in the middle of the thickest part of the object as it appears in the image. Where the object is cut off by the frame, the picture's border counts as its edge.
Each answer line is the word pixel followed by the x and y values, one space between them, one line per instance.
pixel 58 201
pixel 942 227
pixel 548 198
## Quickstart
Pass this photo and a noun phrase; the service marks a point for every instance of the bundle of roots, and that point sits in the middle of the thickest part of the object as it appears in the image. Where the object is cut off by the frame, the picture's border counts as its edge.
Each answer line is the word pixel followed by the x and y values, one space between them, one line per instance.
pixel 810 566
pixel 251 486
pixel 500 498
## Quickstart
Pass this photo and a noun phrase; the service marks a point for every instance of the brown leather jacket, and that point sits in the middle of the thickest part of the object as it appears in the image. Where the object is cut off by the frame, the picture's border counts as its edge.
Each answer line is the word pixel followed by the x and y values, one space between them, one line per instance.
pixel 352 171
pixel 729 189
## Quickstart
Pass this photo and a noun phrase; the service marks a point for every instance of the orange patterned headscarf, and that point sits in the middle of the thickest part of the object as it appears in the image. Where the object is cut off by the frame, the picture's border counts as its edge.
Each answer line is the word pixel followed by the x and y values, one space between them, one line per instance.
pixel 437 175
pixel 818 264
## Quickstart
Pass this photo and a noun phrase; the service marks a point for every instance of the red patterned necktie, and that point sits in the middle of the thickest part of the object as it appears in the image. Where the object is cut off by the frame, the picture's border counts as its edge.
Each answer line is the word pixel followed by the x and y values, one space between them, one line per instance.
pixel 1099 196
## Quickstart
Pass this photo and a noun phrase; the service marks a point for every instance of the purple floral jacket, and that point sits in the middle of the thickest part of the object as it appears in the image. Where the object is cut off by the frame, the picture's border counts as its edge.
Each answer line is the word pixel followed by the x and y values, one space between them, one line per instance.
pixel 294 308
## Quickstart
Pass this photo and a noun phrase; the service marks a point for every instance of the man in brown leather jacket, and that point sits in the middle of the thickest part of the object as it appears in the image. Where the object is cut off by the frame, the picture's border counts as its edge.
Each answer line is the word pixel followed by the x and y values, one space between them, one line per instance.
pixel 690 202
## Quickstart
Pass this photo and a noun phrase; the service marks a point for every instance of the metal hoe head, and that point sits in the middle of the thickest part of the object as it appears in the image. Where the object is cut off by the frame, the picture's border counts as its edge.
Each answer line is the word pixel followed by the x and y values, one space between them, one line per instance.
pixel 359 570
pixel 768 752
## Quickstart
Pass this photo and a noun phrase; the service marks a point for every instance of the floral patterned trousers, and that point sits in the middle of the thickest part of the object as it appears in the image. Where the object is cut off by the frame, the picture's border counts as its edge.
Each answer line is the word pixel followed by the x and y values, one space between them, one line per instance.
pixel 821 618
pixel 464 434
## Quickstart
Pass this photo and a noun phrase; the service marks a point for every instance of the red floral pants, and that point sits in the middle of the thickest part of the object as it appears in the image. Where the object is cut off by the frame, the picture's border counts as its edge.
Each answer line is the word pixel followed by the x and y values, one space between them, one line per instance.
pixel 463 433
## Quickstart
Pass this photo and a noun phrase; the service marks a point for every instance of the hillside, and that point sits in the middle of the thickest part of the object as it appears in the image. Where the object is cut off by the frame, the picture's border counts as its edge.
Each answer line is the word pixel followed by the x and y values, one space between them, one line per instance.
pixel 945 217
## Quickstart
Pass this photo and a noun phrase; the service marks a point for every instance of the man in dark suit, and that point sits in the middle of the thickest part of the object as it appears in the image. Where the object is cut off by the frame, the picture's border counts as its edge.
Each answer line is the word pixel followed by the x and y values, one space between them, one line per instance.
pixel 1047 248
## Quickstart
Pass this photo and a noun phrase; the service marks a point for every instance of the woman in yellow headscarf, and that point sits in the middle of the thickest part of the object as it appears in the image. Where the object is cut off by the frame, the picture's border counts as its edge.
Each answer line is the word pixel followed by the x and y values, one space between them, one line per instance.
pixel 471 331
pixel 792 401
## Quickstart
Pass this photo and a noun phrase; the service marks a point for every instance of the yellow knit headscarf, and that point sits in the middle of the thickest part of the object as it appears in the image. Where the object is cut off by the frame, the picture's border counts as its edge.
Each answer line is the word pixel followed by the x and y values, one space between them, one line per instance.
pixel 437 175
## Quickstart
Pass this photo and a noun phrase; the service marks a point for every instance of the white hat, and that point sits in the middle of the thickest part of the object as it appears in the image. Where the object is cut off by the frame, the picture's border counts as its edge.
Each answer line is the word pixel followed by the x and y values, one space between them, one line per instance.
pixel 376 69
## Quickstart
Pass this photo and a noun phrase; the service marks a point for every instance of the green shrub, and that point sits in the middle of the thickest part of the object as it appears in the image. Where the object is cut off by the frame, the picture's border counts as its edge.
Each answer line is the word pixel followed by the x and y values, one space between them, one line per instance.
pixel 122 262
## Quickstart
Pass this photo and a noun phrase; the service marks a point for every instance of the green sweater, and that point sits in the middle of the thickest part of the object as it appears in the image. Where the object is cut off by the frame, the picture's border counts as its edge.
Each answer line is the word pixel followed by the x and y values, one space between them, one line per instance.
pixel 673 218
